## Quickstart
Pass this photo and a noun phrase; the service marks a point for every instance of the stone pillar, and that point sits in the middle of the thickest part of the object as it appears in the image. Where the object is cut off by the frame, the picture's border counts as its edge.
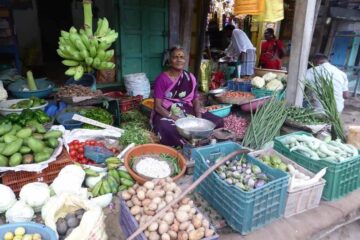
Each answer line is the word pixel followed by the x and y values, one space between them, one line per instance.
pixel 305 12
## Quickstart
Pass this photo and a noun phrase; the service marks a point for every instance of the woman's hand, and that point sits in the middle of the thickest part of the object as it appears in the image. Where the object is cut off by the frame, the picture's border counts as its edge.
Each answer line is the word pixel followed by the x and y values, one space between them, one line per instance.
pixel 174 118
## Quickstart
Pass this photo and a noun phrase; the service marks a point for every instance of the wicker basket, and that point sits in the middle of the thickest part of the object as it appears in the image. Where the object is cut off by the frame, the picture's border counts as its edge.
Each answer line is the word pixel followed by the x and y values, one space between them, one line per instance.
pixel 299 199
pixel 16 180
pixel 233 100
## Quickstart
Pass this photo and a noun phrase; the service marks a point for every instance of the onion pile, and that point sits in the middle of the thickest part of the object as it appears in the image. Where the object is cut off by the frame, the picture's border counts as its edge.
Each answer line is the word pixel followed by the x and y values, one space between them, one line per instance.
pixel 182 221
pixel 238 125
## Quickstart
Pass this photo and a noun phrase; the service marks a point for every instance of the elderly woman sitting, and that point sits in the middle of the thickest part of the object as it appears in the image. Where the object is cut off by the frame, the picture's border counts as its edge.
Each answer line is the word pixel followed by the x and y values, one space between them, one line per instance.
pixel 176 96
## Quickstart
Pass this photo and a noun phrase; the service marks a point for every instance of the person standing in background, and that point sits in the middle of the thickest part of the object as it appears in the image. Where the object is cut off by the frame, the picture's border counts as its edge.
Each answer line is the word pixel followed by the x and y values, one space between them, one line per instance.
pixel 272 50
pixel 339 80
pixel 241 50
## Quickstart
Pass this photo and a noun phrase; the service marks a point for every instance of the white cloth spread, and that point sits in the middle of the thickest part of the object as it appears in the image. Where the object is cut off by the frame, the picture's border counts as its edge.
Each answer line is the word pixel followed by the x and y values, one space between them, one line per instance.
pixel 340 83
pixel 239 43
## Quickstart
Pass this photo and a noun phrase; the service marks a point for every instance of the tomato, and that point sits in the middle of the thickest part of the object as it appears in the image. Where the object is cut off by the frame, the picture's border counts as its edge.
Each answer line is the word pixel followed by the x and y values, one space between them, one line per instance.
pixel 100 144
pixel 80 150
pixel 82 144
pixel 76 142
pixel 73 154
pixel 80 156
pixel 92 142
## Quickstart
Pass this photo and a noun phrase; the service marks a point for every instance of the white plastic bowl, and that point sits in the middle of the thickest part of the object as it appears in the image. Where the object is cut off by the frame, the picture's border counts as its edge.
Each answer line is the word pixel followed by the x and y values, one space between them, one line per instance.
pixel 5 107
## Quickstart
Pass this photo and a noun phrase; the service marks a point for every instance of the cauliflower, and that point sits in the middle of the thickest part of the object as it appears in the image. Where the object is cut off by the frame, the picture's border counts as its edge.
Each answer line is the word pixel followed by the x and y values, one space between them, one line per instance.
pixel 274 85
pixel 269 76
pixel 258 82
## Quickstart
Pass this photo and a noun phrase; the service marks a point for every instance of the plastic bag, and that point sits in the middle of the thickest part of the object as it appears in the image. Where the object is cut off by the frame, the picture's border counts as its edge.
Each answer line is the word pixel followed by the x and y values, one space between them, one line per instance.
pixel 137 84
pixel 91 227
pixel 354 136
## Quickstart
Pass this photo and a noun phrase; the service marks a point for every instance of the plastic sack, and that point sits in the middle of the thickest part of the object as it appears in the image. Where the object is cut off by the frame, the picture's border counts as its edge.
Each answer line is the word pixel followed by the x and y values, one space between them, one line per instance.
pixel 91 227
pixel 249 7
pixel 274 12
pixel 354 136
pixel 137 84
pixel 205 75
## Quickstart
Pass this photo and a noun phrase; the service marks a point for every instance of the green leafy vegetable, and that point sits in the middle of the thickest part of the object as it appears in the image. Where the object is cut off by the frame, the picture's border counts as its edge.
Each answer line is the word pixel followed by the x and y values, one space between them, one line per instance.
pixel 97 114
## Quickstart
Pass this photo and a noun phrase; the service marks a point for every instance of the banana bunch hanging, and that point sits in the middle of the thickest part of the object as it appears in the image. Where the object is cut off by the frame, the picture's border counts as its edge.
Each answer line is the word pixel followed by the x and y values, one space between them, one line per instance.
pixel 83 52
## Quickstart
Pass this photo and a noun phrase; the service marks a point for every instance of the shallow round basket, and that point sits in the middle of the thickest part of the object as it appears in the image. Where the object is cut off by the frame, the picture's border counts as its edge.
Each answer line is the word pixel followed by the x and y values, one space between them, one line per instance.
pixel 254 104
pixel 30 228
pixel 222 112
pixel 5 106
pixel 45 88
pixel 146 149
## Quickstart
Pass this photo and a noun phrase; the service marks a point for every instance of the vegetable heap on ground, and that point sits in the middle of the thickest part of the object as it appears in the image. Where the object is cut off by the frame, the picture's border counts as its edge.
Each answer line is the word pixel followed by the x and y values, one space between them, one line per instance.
pixel 25 145
pixel 265 124
pixel 27 117
pixel 270 81
pixel 83 50
pixel 236 124
pixel 183 221
pixel 98 114
pixel 316 149
pixel 242 174
pixel 306 116
pixel 298 178
pixel 323 89
pixel 28 103
pixel 136 127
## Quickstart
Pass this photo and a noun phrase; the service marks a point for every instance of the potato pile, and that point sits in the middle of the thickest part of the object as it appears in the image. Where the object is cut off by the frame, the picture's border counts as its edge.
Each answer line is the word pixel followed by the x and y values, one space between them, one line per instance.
pixel 182 222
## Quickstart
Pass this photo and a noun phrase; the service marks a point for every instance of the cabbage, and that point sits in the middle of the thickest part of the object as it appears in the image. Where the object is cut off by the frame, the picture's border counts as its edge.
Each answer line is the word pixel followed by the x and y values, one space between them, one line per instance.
pixel 269 76
pixel 274 85
pixel 19 212
pixel 7 198
pixel 35 194
pixel 258 82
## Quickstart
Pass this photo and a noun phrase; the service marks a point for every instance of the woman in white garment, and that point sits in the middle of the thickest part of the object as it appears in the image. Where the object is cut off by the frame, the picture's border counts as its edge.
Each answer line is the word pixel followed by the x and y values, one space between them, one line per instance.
pixel 242 50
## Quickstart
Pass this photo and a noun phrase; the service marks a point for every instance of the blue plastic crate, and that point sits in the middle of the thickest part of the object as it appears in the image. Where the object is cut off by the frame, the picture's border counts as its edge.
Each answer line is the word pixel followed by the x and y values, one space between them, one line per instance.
pixel 239 86
pixel 30 228
pixel 243 211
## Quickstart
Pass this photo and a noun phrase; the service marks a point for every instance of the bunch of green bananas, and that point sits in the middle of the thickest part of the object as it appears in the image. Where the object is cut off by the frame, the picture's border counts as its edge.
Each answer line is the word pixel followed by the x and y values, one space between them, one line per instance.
pixel 83 53
pixel 115 181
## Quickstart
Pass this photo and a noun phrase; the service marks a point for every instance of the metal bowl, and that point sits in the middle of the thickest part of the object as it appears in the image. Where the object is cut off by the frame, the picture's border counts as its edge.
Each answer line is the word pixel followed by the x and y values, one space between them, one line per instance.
pixel 218 91
pixel 194 128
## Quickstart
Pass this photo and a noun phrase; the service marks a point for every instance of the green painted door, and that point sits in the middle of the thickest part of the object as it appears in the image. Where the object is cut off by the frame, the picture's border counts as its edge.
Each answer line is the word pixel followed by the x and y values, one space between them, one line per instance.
pixel 143 27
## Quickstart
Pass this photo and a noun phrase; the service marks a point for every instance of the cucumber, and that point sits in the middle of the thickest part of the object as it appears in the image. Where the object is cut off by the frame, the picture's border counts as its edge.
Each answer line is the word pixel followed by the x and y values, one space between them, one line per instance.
pixel 15 160
pixel 24 133
pixel 12 147
pixel 53 134
pixel 41 156
pixel 24 149
pixel 52 142
pixel 35 144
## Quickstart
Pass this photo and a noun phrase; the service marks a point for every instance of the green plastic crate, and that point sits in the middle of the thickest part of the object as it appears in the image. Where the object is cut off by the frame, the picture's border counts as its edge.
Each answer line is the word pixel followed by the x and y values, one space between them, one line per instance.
pixel 341 178
pixel 243 211
pixel 259 93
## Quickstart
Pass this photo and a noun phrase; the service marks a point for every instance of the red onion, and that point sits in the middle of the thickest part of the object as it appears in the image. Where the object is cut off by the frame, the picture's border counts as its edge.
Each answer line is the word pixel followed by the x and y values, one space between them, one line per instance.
pixel 238 125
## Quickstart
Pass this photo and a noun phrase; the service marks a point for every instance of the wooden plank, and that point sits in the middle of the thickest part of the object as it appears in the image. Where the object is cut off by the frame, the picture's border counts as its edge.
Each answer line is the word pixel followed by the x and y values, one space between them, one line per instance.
pixel 187 7
pixel 174 22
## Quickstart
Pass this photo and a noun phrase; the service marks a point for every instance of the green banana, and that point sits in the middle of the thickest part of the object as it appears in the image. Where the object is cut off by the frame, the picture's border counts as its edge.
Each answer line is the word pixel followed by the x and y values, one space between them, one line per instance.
pixel 111 166
pixel 85 39
pixel 106 65
pixel 80 45
pixel 72 30
pixel 89 61
pixel 91 172
pixel 109 54
pixel 71 71
pixel 99 24
pixel 124 174
pixel 70 63
pixel 103 46
pixel 64 34
pixel 122 188
pixel 79 72
pixel 113 184
pixel 100 55
pixel 96 189
pixel 112 160
pixel 105 186
pixel 84 54
pixel 103 28
pixel 115 175
pixel 96 63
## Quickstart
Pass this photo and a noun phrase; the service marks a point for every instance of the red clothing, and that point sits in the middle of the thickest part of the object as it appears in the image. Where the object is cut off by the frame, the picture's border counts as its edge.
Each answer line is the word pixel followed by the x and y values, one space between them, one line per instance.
pixel 270 54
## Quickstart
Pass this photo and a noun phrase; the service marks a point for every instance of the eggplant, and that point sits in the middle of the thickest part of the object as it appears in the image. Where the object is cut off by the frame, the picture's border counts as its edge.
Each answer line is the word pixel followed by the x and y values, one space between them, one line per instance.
pixel 259 183
pixel 256 169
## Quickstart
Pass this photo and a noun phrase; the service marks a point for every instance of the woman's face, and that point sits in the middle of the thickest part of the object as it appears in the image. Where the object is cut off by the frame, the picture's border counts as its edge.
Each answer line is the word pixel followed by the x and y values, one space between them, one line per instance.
pixel 268 36
pixel 177 59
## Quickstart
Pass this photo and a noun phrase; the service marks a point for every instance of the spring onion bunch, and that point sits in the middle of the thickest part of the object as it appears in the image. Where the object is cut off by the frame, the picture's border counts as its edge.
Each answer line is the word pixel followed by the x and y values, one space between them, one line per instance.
pixel 323 89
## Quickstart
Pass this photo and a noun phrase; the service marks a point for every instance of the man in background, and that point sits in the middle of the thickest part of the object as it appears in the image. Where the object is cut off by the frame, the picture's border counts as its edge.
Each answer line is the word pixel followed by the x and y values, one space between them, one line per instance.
pixel 339 78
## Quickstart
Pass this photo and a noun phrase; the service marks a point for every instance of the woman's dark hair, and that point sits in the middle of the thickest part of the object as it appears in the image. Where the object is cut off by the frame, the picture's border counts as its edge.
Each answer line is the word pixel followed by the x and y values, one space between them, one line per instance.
pixel 270 31
pixel 175 48
pixel 229 27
